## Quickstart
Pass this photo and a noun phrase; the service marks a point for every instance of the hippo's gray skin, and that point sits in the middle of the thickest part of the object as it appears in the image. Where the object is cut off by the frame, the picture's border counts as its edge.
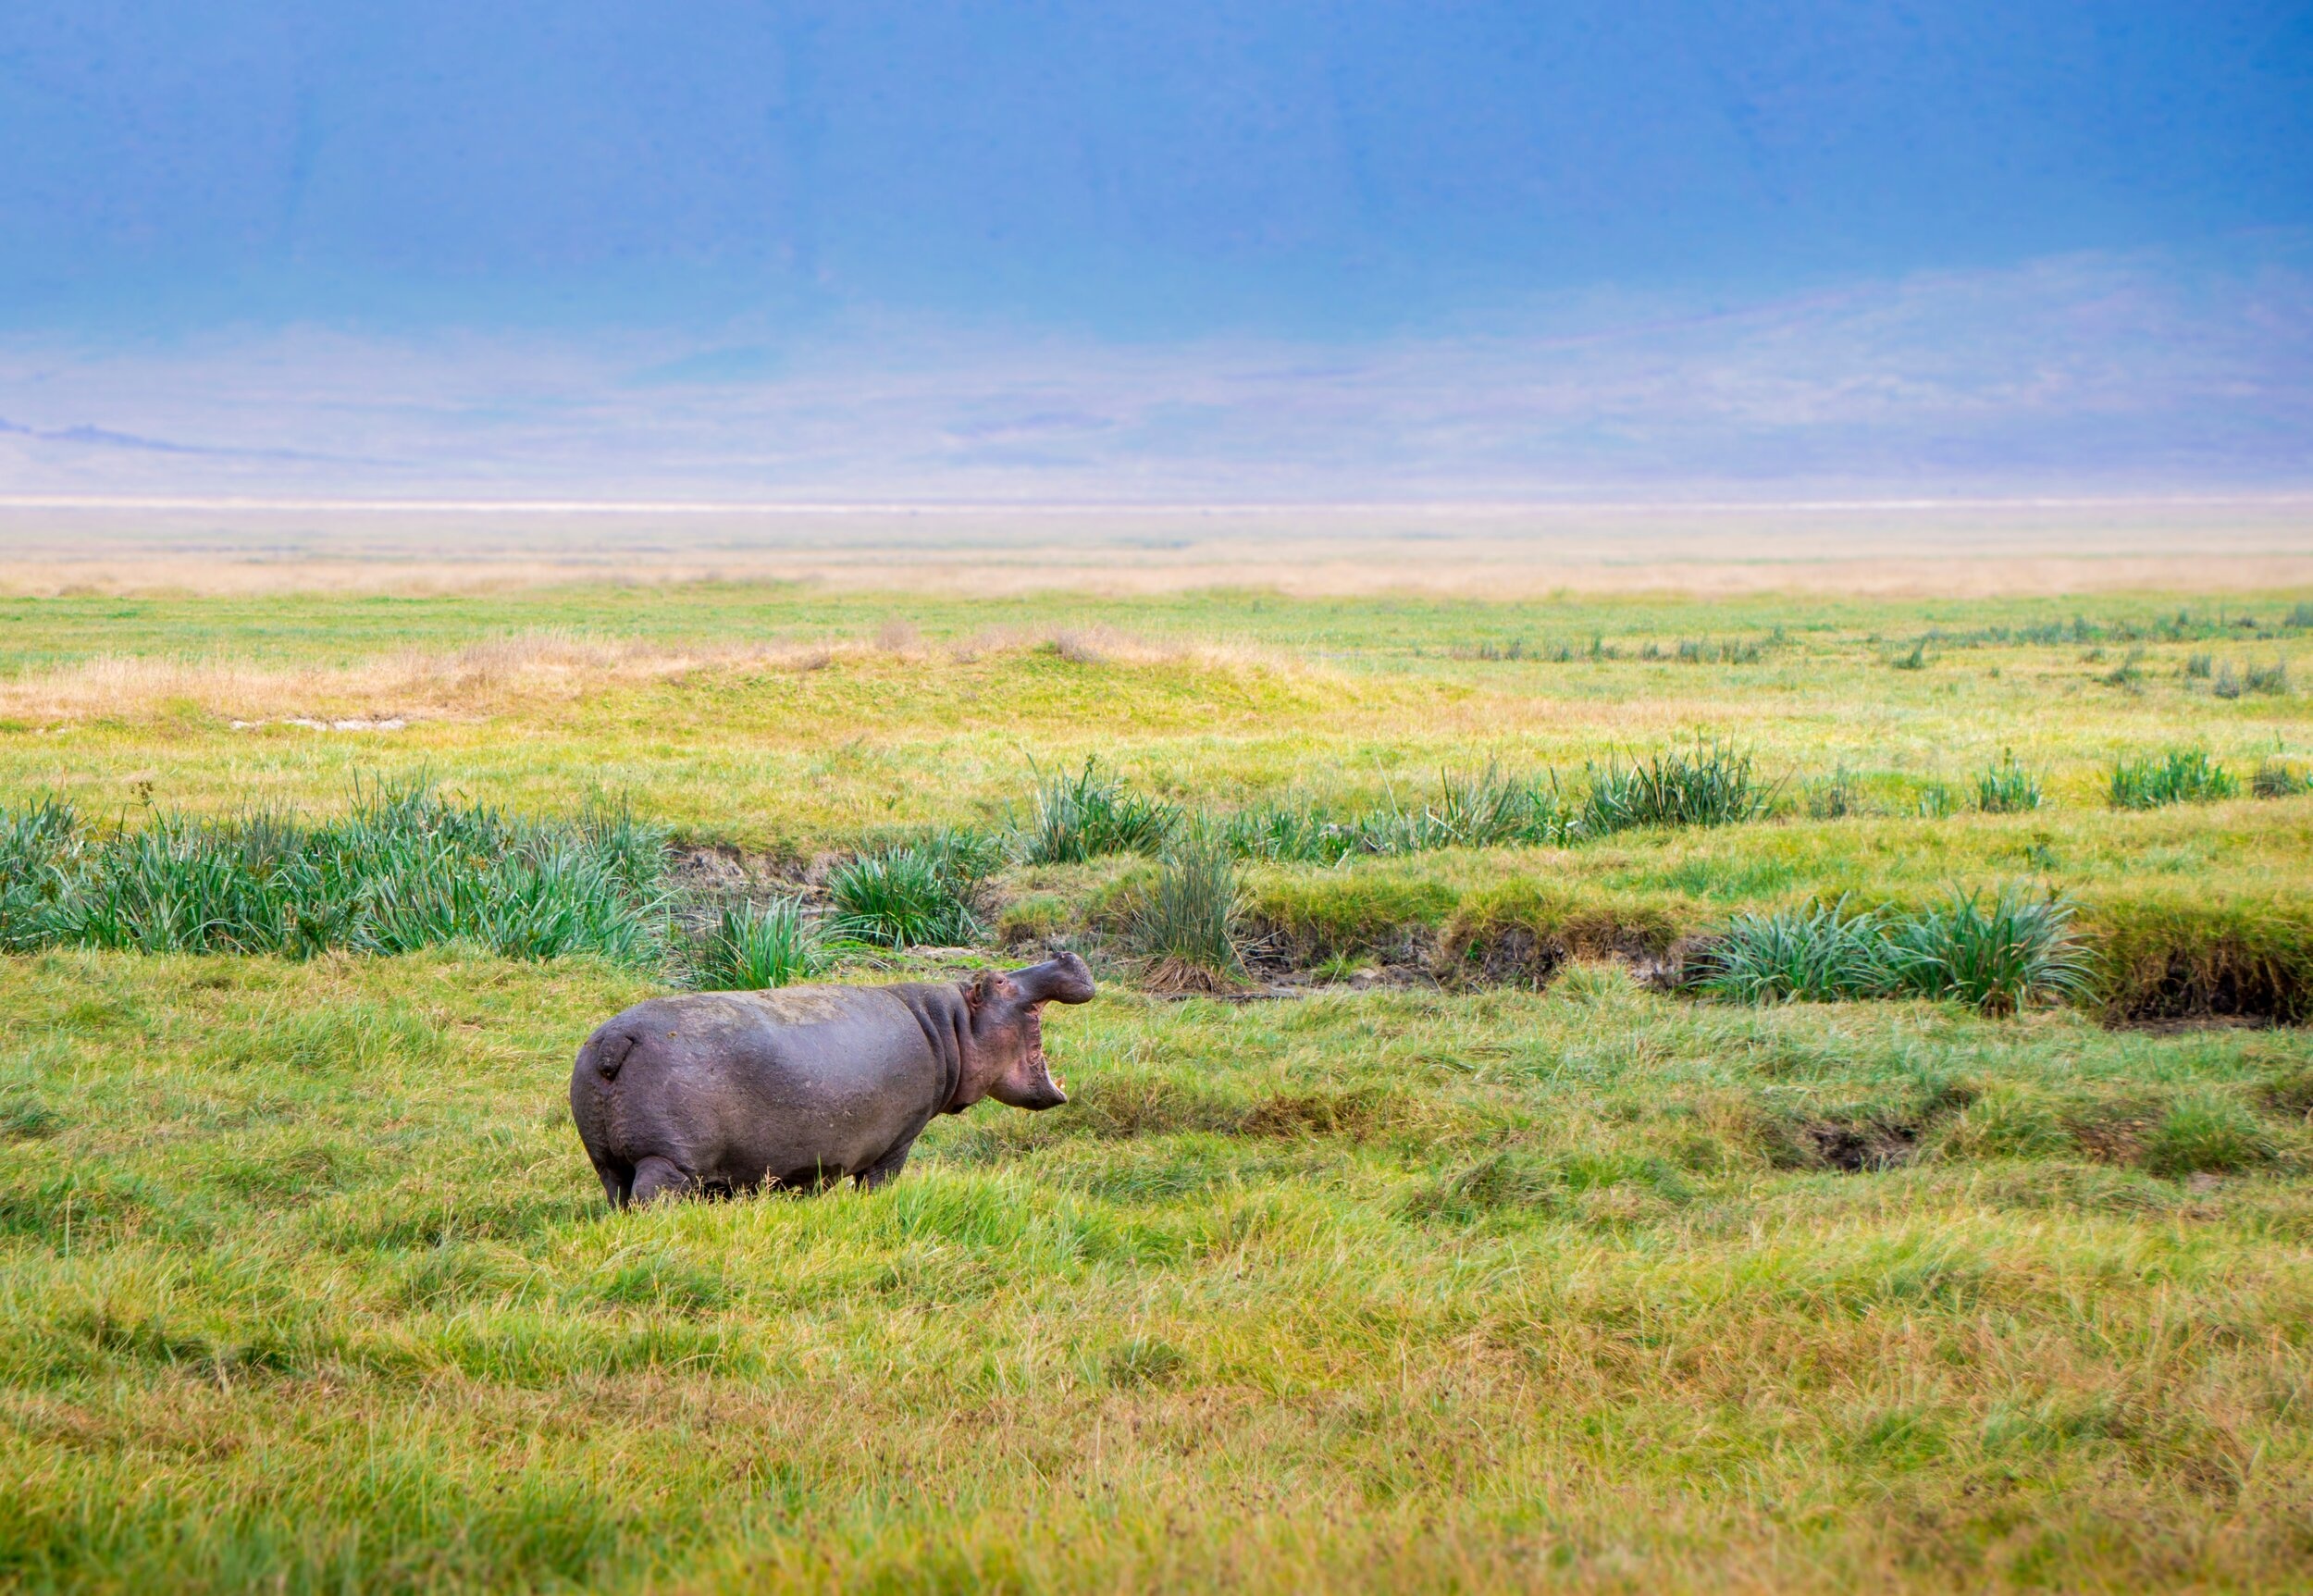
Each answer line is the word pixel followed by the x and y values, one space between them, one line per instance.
pixel 723 1091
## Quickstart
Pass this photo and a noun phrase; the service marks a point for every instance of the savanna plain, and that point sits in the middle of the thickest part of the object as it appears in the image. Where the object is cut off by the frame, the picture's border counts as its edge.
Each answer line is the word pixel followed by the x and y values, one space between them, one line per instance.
pixel 1615 1092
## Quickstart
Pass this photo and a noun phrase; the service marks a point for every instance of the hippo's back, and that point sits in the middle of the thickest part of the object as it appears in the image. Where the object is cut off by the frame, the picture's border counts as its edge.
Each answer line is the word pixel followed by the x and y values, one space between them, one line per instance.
pixel 733 1087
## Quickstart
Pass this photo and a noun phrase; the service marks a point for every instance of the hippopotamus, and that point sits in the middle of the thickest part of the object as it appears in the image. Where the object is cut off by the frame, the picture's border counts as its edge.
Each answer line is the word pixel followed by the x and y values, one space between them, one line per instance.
pixel 799 1086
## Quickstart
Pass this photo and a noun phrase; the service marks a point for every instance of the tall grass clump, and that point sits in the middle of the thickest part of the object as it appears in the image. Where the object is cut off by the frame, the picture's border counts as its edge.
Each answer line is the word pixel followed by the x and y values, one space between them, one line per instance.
pixel 1186 920
pixel 39 847
pixel 1834 796
pixel 1088 815
pixel 2180 776
pixel 1492 808
pixel 2271 680
pixel 1817 953
pixel 905 897
pixel 1293 832
pixel 405 870
pixel 2276 778
pixel 1995 954
pixel 2007 787
pixel 1714 784
pixel 754 947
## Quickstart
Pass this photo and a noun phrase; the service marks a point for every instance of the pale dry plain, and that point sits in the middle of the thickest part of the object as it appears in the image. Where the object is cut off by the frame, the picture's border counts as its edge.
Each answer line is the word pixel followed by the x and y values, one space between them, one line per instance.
pixel 1519 1273
pixel 1829 544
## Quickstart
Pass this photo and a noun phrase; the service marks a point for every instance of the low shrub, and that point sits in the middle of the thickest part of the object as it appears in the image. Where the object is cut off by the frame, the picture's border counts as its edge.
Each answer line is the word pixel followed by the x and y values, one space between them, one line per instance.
pixel 1816 953
pixel 2271 680
pixel 1492 808
pixel 1488 809
pixel 756 947
pixel 2180 776
pixel 1291 831
pixel 1995 954
pixel 2198 667
pixel 1088 815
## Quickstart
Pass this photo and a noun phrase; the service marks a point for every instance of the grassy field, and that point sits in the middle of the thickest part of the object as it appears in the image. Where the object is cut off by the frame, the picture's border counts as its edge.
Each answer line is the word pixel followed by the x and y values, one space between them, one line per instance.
pixel 1464 1243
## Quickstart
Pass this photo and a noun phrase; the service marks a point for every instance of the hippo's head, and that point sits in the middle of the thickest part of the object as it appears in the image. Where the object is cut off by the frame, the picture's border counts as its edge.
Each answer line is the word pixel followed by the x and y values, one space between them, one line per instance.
pixel 1008 1061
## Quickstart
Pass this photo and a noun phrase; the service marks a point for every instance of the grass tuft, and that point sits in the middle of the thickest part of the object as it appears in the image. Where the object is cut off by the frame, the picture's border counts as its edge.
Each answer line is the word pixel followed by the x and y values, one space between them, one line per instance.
pixel 1997 956
pixel 2007 788
pixel 754 947
pixel 905 897
pixel 405 870
pixel 1186 920
pixel 2180 776
pixel 1088 815
pixel 1714 784
pixel 2275 778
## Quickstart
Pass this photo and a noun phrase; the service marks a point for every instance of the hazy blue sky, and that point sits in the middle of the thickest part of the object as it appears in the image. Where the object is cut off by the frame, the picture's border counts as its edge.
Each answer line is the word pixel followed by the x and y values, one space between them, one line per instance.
pixel 728 196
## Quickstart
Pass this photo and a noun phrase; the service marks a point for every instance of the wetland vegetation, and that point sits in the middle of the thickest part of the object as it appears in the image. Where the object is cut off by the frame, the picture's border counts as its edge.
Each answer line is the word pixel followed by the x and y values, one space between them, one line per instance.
pixel 1594 1093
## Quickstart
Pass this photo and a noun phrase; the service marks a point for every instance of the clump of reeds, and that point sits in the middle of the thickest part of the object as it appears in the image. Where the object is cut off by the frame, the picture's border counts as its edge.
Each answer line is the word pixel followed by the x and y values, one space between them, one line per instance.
pixel 1995 954
pixel 1089 814
pixel 2276 777
pixel 2178 775
pixel 1714 785
pixel 922 894
pixel 405 870
pixel 1186 920
pixel 2007 787
pixel 755 947
pixel 1490 808
pixel 1834 796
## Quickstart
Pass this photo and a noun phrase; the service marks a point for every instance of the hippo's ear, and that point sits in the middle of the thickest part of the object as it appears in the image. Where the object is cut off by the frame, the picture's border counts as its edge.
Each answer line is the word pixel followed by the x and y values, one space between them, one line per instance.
pixel 985 988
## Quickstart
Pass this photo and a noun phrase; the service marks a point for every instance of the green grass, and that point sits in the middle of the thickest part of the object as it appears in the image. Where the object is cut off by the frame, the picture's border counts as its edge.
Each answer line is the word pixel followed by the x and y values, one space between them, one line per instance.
pixel 1487 1258
pixel 302 1283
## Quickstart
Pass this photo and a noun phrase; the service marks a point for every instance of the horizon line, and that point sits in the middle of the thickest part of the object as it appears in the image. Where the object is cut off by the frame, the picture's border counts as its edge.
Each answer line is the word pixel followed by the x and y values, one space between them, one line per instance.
pixel 1094 507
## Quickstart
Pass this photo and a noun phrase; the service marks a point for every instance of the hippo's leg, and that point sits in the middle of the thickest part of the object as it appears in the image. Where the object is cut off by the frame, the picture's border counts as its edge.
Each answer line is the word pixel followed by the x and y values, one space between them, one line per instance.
pixel 885 1168
pixel 656 1177
pixel 618 1182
